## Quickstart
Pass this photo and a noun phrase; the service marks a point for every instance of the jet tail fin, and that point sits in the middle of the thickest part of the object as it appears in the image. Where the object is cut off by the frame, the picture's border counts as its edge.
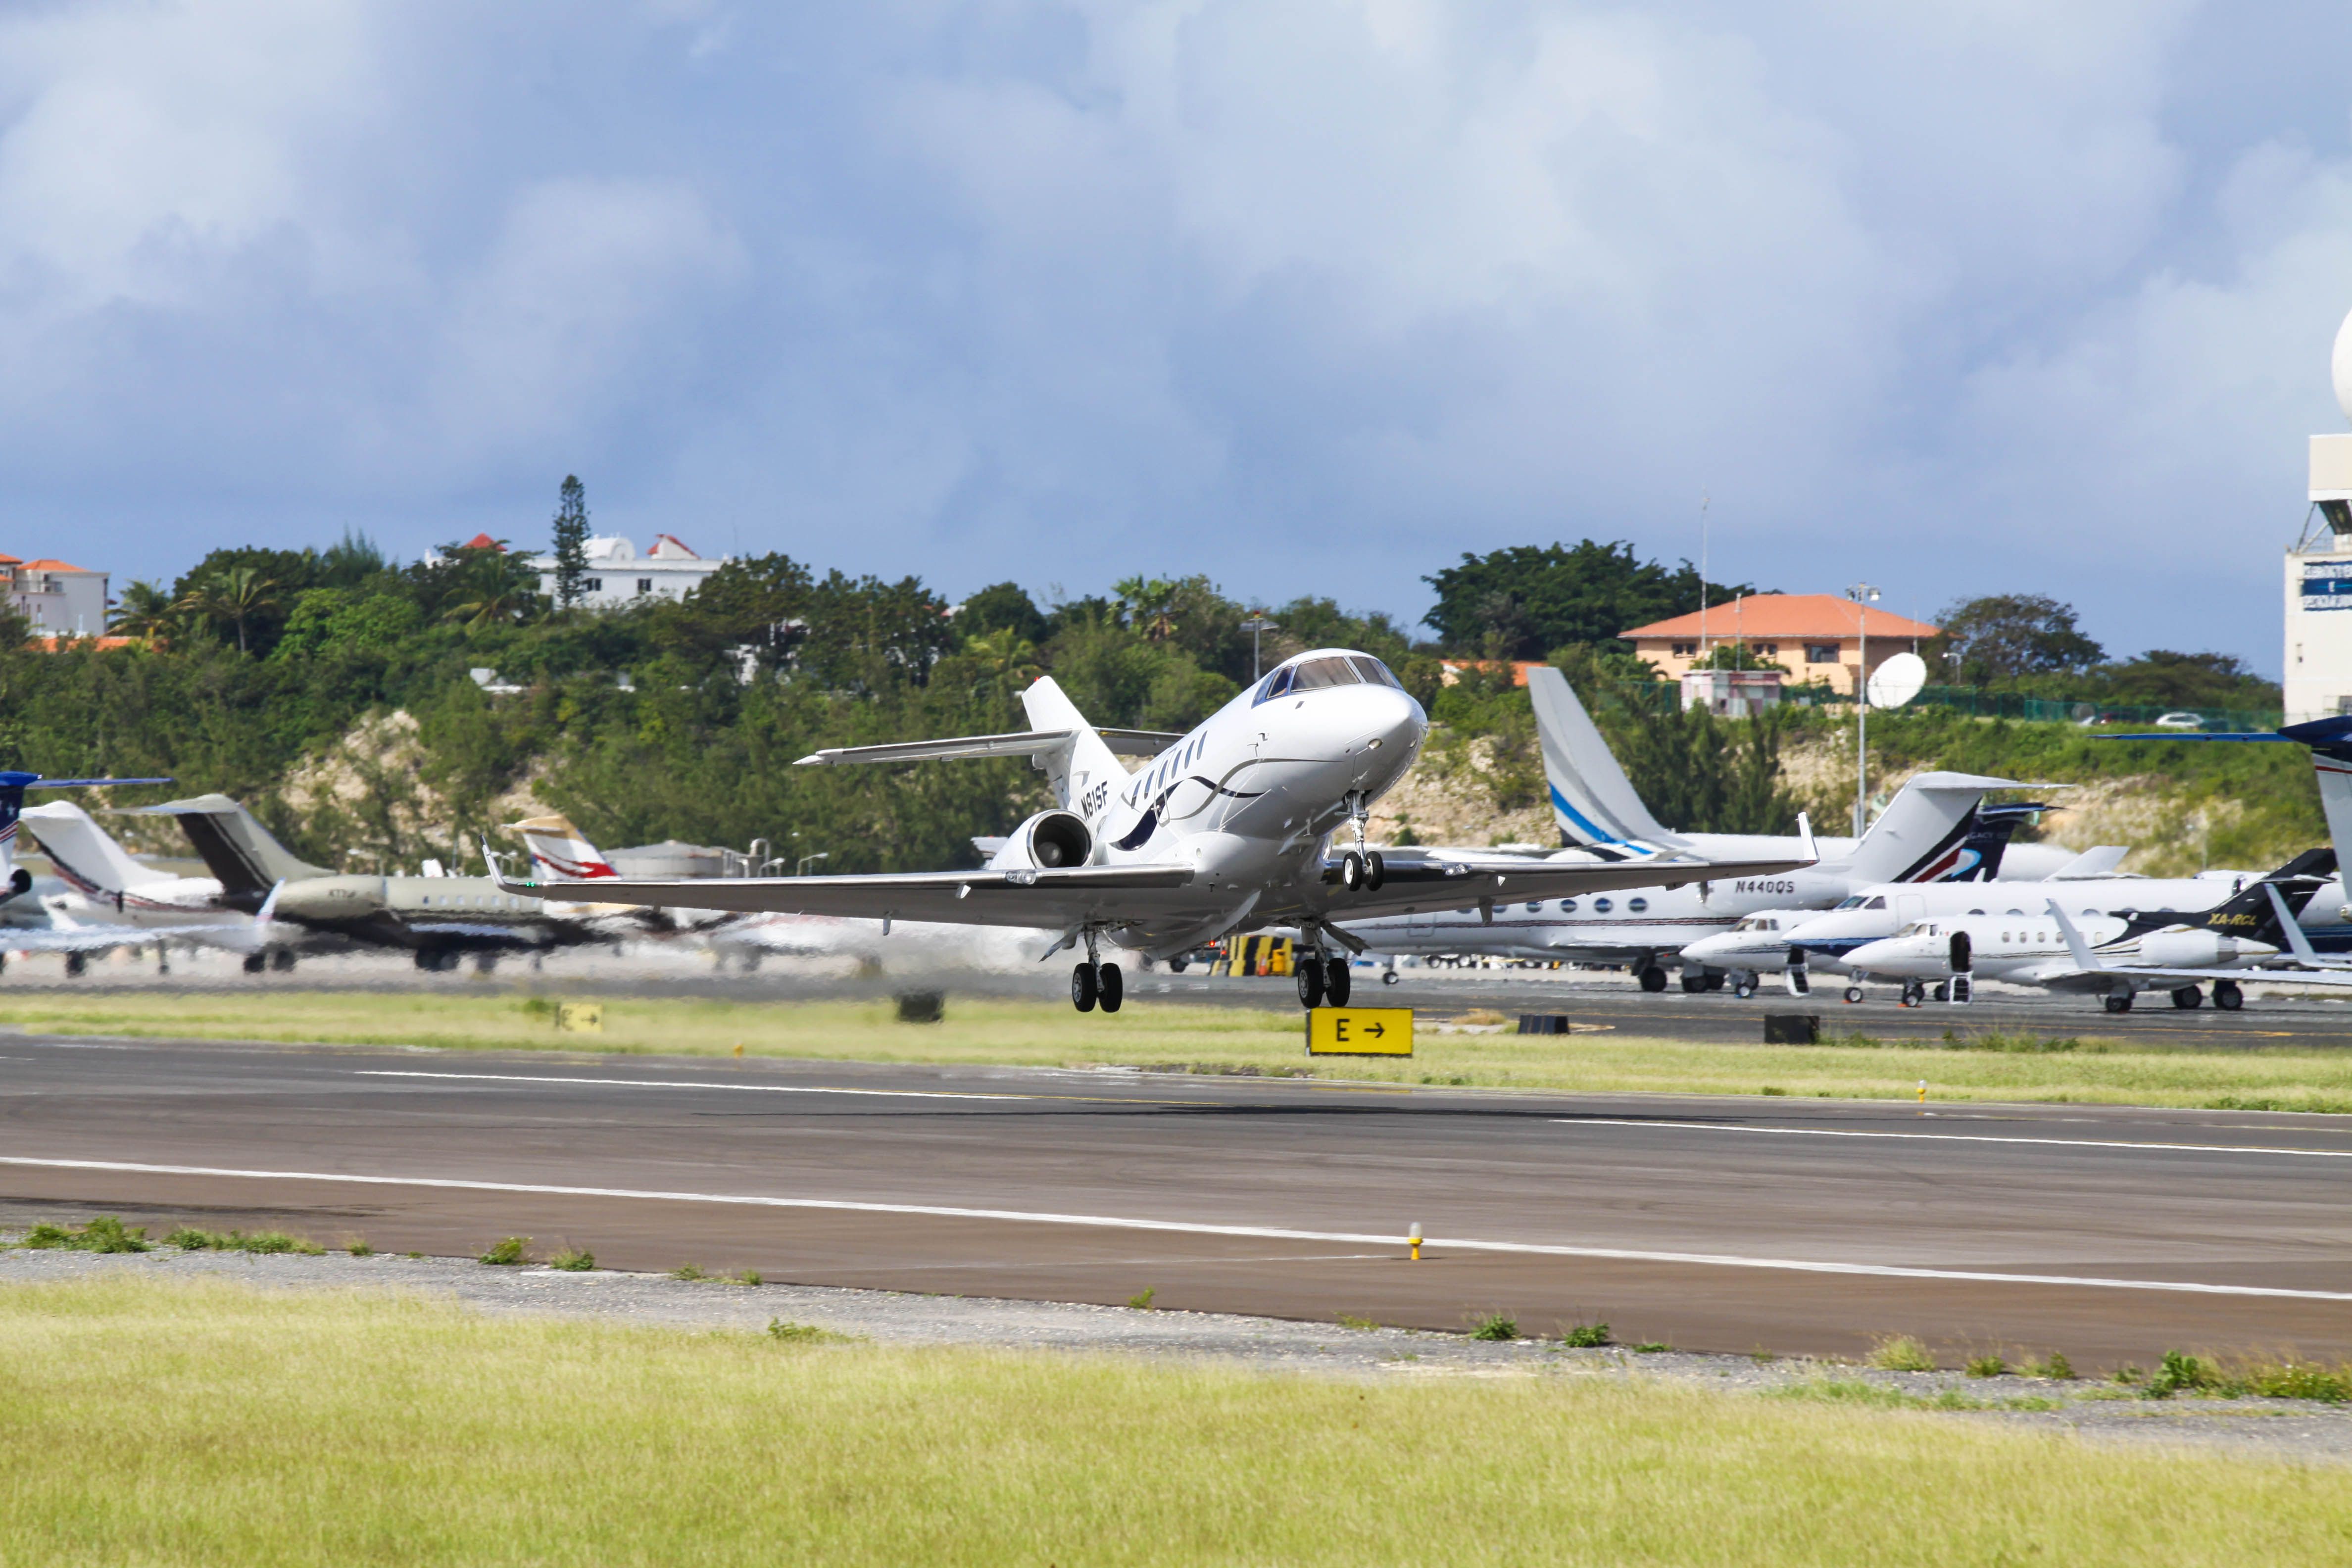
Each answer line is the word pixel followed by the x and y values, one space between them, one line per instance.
pixel 1081 769
pixel 85 854
pixel 1925 833
pixel 2099 860
pixel 1592 799
pixel 560 851
pixel 236 847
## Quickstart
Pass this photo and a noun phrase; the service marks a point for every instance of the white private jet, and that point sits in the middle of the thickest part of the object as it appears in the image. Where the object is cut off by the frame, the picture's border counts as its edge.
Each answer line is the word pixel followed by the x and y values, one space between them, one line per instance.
pixel 1228 829
pixel 2113 956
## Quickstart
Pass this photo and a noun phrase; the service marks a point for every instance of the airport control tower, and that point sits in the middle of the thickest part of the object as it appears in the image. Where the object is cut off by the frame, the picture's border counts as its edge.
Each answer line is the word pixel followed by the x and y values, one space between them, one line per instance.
pixel 2319 571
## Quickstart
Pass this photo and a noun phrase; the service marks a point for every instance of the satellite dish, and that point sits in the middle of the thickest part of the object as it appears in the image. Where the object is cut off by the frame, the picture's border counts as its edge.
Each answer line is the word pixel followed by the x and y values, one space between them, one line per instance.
pixel 1897 681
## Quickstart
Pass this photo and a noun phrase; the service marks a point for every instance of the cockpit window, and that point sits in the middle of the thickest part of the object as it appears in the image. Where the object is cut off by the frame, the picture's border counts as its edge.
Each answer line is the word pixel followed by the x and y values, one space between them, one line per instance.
pixel 1315 673
pixel 1853 903
pixel 1879 904
pixel 1374 673
pixel 1275 684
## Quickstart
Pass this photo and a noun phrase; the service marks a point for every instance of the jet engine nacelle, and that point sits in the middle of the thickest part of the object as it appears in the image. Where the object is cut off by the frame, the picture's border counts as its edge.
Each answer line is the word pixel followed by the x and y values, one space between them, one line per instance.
pixel 20 882
pixel 2196 949
pixel 1049 841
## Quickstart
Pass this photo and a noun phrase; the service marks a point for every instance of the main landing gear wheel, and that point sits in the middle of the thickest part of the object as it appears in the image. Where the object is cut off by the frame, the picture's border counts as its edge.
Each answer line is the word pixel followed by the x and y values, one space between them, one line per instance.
pixel 1914 993
pixel 1654 979
pixel 255 962
pixel 1082 987
pixel 2187 996
pixel 1110 986
pixel 1376 872
pixel 2118 1003
pixel 1336 983
pixel 1694 979
pixel 1309 976
pixel 2227 996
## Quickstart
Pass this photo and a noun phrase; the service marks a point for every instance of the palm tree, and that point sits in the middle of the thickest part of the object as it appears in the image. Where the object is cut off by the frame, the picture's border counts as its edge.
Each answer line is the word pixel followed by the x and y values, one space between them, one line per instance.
pixel 144 611
pixel 240 596
pixel 1007 659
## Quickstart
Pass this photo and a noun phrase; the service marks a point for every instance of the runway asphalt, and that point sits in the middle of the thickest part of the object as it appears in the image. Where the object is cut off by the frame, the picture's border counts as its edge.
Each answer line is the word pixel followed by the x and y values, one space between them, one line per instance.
pixel 1728 1224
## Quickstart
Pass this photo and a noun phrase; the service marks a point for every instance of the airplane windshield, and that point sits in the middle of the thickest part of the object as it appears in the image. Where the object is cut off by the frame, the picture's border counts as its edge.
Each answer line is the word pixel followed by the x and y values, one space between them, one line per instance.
pixel 1853 903
pixel 1313 673
pixel 1374 673
pixel 1879 904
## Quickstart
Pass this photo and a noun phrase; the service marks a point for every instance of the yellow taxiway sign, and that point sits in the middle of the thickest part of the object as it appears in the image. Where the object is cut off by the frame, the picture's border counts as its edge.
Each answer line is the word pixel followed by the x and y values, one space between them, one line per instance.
pixel 1359 1032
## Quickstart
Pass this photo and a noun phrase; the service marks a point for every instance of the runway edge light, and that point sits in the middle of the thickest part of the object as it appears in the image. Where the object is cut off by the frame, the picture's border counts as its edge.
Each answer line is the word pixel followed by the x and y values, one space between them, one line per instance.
pixel 1359 1032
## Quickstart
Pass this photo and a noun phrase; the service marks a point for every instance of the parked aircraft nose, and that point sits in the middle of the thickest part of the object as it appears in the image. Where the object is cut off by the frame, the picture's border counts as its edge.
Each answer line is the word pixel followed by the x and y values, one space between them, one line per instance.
pixel 1910 956
pixel 1714 949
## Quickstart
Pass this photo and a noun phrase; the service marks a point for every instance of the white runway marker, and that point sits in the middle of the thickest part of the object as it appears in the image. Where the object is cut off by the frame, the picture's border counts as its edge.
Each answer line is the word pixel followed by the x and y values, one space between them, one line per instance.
pixel 762 1088
pixel 1959 1137
pixel 1188 1227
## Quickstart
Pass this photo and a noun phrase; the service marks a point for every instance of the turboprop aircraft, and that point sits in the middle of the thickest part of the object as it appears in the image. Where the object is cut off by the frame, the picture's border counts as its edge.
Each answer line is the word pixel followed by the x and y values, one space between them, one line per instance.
pixel 2109 955
pixel 1228 829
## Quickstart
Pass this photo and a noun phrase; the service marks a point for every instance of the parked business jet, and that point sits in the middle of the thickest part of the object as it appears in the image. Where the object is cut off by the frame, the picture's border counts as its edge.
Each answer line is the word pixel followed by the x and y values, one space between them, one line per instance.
pixel 559 850
pixel 1227 831
pixel 1935 829
pixel 1599 810
pixel 438 920
pixel 2110 956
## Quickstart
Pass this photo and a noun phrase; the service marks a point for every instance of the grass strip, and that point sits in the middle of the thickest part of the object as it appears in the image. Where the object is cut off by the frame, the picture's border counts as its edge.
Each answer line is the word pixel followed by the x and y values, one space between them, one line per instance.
pixel 205 1423
pixel 1186 1039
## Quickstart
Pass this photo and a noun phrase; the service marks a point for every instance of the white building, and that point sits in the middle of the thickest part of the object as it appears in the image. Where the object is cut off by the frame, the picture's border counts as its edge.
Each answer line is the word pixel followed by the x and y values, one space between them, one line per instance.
pixel 59 599
pixel 617 573
pixel 2319 571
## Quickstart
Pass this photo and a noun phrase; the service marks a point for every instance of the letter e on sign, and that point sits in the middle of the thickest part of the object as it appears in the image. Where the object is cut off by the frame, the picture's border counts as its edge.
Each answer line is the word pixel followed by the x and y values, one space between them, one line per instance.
pixel 1359 1032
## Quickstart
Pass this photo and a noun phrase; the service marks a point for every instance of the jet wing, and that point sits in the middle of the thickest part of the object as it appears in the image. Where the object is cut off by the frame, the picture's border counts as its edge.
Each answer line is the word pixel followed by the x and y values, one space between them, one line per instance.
pixel 1019 743
pixel 1411 886
pixel 997 898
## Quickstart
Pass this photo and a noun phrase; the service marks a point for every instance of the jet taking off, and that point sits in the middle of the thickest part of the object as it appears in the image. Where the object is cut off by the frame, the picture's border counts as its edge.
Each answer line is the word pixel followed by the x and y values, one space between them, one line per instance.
pixel 1226 830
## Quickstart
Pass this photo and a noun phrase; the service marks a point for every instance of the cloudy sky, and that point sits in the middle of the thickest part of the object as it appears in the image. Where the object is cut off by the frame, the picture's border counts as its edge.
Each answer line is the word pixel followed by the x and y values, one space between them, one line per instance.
pixel 1958 296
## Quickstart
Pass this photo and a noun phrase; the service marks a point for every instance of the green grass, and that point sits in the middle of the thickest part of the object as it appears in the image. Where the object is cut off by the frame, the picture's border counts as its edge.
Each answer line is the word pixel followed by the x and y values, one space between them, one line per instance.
pixel 573 1260
pixel 1966 1067
pixel 102 1233
pixel 507 1253
pixel 188 1238
pixel 1901 1352
pixel 207 1424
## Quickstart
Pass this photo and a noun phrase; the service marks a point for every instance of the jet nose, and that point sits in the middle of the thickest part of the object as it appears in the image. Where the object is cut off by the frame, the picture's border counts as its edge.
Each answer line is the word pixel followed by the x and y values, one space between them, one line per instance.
pixel 1705 948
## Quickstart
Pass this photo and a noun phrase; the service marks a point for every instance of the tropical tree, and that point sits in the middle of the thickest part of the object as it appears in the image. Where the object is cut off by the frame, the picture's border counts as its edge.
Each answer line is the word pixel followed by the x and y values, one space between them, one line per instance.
pixel 571 543
pixel 238 595
pixel 144 611
pixel 488 585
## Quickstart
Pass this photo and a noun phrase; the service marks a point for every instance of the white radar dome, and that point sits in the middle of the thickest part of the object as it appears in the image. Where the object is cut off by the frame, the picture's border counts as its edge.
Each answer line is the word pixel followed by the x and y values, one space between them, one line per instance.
pixel 2343 367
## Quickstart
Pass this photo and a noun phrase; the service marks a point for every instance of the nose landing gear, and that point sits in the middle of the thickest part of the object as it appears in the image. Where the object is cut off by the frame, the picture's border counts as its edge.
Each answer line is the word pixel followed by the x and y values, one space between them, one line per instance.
pixel 1361 869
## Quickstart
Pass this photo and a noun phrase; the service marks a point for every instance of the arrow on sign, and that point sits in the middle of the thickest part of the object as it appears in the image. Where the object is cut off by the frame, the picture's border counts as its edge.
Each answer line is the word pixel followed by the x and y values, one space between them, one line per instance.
pixel 1376 1030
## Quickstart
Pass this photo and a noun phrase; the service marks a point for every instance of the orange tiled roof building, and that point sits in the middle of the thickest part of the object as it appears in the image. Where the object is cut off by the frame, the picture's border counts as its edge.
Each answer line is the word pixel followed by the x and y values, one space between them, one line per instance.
pixel 1815 636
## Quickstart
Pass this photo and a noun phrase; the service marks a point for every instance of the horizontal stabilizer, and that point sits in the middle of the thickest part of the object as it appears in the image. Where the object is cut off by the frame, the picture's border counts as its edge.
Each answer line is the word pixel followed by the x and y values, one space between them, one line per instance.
pixel 2100 861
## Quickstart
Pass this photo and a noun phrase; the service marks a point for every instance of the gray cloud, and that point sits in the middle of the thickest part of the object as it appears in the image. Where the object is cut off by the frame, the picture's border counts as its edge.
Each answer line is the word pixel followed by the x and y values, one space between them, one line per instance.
pixel 1311 296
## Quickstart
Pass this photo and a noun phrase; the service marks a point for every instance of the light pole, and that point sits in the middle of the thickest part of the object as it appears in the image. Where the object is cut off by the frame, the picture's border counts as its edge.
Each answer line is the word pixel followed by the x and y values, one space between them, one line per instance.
pixel 1257 623
pixel 801 868
pixel 1864 596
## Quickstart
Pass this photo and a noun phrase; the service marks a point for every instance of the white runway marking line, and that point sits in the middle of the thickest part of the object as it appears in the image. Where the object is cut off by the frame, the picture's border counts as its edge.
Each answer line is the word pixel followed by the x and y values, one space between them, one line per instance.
pixel 1960 1137
pixel 762 1088
pixel 1271 1233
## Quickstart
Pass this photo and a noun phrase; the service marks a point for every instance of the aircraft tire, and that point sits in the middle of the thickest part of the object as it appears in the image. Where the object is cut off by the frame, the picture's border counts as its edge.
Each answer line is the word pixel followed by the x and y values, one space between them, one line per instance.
pixel 255 962
pixel 1744 987
pixel 1309 976
pixel 1110 987
pixel 1351 870
pixel 1376 872
pixel 282 959
pixel 1654 979
pixel 2186 997
pixel 1694 979
pixel 2227 996
pixel 76 964
pixel 1854 993
pixel 2118 1003
pixel 1082 987
pixel 1390 978
pixel 1336 983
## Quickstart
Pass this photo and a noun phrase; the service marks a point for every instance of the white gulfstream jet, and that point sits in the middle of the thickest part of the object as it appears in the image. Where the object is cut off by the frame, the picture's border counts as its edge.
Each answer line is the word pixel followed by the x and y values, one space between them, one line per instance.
pixel 1226 830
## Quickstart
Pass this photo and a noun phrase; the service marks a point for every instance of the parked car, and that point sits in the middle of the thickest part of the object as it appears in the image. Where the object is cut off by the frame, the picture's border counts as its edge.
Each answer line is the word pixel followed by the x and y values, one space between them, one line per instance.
pixel 2181 721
